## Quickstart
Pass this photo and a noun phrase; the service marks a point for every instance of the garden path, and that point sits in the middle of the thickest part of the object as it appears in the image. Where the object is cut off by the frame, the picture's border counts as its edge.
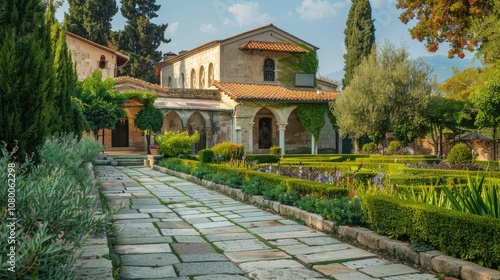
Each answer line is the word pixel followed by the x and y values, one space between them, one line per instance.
pixel 170 228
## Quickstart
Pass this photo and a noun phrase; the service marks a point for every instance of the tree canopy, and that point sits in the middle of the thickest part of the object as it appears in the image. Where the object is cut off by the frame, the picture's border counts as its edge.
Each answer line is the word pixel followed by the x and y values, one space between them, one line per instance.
pixel 91 19
pixel 387 88
pixel 464 24
pixel 102 106
pixel 359 37
pixel 140 38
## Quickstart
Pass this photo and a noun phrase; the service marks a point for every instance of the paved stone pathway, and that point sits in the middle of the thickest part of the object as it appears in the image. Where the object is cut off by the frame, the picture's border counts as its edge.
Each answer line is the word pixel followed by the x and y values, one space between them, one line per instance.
pixel 170 228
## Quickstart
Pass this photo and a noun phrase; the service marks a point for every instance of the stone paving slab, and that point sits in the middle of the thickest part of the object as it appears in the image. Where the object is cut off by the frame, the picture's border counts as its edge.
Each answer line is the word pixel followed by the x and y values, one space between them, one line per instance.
pixel 238 245
pixel 357 264
pixel 179 231
pixel 220 277
pixel 258 255
pixel 412 277
pixel 141 272
pixel 142 240
pixel 303 249
pixel 151 260
pixel 335 256
pixel 333 269
pixel 294 234
pixel 211 257
pixel 278 269
pixel 193 248
pixel 388 270
pixel 353 276
pixel 207 268
pixel 142 249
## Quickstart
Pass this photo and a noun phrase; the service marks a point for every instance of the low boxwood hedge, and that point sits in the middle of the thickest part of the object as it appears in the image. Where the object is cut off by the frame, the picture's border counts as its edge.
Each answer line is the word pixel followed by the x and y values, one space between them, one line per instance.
pixel 466 236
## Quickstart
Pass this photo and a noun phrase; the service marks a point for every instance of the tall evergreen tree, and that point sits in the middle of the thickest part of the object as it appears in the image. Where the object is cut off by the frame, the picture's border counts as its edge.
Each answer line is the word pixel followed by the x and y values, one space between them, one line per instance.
pixel 74 18
pixel 26 74
pixel 91 19
pixel 359 37
pixel 141 38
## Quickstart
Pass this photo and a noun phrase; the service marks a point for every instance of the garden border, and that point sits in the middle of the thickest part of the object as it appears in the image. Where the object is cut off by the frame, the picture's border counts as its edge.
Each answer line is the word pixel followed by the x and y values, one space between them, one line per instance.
pixel 434 259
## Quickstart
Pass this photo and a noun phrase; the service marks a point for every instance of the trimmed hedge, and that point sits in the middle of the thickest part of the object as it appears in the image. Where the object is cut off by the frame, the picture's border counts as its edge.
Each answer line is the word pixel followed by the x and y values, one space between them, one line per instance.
pixel 262 158
pixel 466 236
pixel 206 156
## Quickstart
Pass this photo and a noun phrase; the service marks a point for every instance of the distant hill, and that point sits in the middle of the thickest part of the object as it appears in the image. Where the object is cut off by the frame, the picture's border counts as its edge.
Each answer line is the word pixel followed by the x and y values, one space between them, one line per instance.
pixel 441 64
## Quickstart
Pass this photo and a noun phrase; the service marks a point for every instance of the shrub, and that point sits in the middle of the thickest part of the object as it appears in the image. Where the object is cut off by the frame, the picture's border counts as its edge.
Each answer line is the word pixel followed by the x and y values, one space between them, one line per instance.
pixel 206 156
pixel 261 158
pixel 454 233
pixel 345 211
pixel 394 146
pixel 460 153
pixel 275 150
pixel 52 213
pixel 369 147
pixel 226 150
pixel 172 143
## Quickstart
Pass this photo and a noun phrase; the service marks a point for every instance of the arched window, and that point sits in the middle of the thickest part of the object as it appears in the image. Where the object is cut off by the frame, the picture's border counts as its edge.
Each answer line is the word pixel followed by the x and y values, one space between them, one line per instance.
pixel 183 81
pixel 169 83
pixel 210 74
pixel 193 79
pixel 268 70
pixel 202 77
pixel 102 62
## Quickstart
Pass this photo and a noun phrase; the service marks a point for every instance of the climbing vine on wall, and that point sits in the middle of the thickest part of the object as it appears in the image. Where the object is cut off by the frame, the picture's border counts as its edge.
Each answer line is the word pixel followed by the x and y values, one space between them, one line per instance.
pixel 298 63
pixel 312 117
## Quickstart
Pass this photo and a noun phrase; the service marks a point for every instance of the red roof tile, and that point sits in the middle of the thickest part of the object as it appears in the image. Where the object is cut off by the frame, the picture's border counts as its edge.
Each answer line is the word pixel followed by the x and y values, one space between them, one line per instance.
pixel 267 92
pixel 272 46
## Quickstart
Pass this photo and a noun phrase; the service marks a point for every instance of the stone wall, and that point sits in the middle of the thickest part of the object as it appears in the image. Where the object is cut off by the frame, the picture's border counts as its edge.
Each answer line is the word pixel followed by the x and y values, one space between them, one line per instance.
pixel 87 59
pixel 208 58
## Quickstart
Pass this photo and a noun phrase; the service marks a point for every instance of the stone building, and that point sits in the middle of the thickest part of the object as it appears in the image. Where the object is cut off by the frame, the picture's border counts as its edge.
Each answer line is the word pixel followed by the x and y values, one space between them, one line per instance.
pixel 253 107
pixel 89 56
pixel 227 90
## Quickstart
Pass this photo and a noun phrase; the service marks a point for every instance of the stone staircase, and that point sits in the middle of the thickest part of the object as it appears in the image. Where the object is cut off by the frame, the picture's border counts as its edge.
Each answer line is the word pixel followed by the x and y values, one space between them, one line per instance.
pixel 120 160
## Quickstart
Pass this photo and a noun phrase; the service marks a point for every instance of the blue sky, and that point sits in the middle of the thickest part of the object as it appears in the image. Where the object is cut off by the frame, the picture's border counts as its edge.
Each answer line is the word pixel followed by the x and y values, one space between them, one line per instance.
pixel 192 23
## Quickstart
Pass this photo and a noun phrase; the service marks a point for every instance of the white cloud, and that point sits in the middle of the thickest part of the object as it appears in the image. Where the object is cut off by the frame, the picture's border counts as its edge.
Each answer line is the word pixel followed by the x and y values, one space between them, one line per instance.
pixel 172 27
pixel 208 28
pixel 247 13
pixel 318 9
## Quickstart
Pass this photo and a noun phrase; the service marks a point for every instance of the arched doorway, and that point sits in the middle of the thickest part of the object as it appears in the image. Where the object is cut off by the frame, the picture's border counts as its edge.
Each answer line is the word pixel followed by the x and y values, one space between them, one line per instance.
pixel 172 122
pixel 297 139
pixel 197 123
pixel 265 131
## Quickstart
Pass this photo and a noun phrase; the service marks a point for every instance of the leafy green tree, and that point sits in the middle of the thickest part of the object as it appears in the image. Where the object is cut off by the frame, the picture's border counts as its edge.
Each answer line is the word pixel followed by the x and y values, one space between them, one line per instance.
pixel 466 25
pixel 149 119
pixel 387 87
pixel 91 19
pixel 359 37
pixel 141 38
pixel 26 75
pixel 487 102
pixel 102 106
pixel 460 85
pixel 443 113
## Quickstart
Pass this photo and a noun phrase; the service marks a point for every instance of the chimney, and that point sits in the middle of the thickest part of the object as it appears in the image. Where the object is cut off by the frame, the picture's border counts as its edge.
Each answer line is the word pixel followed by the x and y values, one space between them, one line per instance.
pixel 168 55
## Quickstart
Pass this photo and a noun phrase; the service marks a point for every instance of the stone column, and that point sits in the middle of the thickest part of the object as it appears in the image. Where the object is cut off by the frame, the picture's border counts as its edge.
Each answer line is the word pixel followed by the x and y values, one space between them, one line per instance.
pixel 313 146
pixel 250 138
pixel 281 129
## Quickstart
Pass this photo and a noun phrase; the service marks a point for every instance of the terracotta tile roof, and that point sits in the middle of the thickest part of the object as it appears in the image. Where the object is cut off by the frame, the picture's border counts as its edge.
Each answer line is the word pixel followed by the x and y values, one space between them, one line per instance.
pixel 272 46
pixel 266 92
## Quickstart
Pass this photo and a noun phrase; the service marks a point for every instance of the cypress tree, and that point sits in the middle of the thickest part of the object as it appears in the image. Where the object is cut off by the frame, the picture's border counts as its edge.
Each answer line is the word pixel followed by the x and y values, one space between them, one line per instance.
pixel 74 18
pixel 359 37
pixel 141 38
pixel 91 19
pixel 26 74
